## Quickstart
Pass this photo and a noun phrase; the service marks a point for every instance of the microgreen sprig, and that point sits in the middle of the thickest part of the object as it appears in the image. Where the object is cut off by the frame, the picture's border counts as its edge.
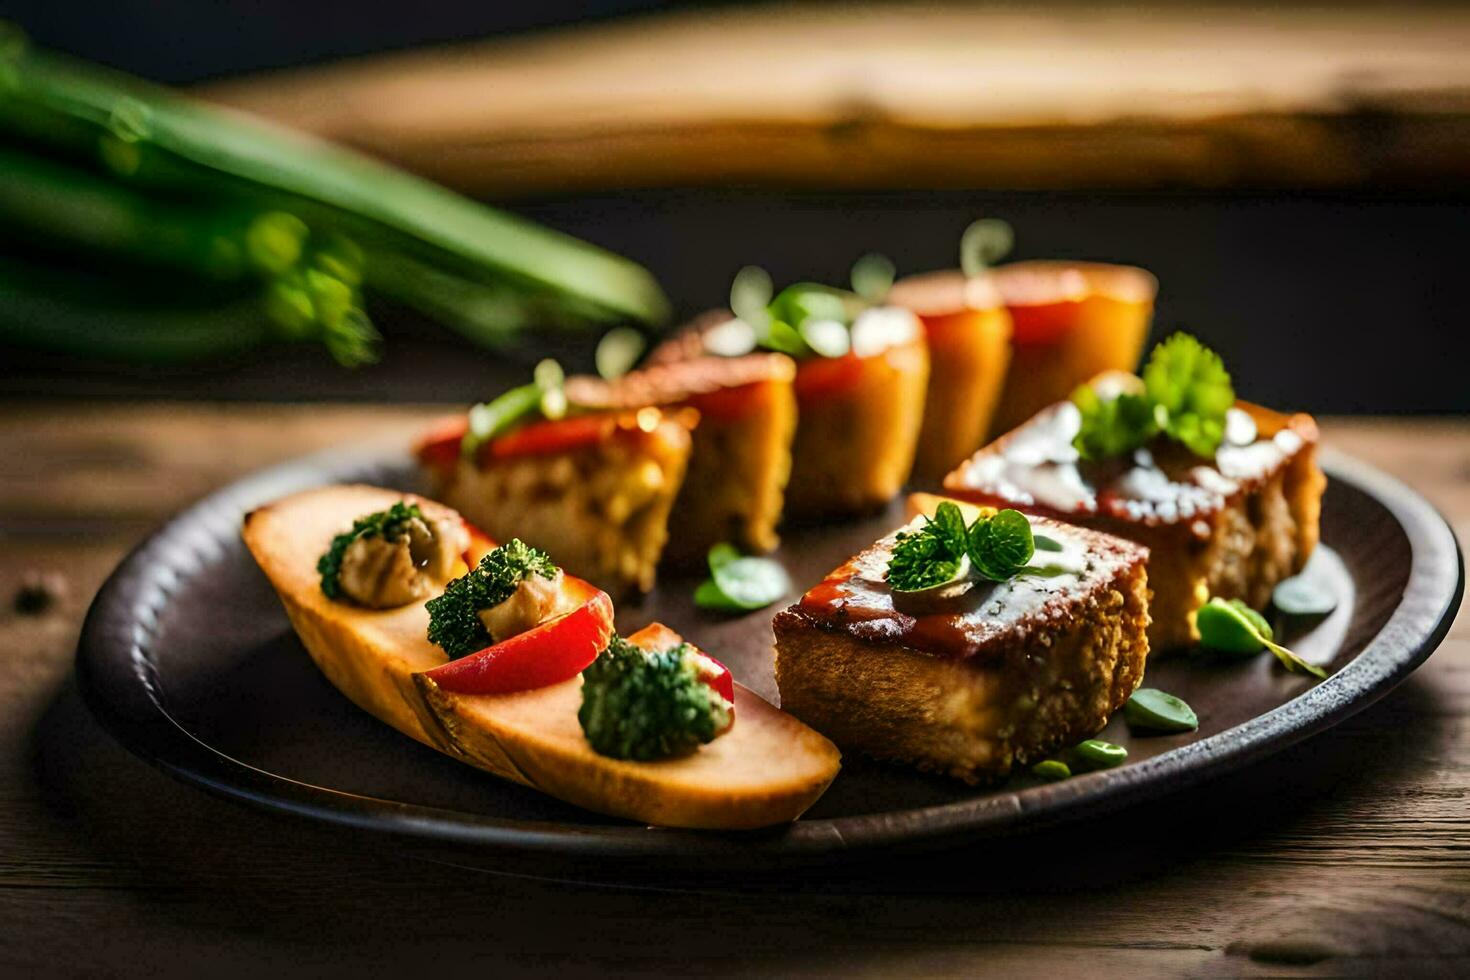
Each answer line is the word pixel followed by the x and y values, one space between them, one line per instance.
pixel 1231 626
pixel 944 550
pixel 1186 393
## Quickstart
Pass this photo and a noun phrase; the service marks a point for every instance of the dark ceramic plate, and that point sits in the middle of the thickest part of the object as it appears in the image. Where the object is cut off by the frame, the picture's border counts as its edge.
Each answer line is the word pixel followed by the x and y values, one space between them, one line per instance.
pixel 188 659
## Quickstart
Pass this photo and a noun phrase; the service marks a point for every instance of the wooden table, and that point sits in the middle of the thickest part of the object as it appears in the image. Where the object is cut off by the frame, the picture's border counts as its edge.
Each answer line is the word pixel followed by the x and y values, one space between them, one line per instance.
pixel 1349 854
pixel 1042 95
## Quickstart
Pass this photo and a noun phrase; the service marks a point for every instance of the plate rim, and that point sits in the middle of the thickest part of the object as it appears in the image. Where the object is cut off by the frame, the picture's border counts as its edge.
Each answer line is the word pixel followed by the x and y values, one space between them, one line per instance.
pixel 119 684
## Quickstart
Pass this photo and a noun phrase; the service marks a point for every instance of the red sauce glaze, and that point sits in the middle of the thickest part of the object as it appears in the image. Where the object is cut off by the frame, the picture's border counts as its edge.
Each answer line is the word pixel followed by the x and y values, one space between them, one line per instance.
pixel 822 377
pixel 1038 324
pixel 730 404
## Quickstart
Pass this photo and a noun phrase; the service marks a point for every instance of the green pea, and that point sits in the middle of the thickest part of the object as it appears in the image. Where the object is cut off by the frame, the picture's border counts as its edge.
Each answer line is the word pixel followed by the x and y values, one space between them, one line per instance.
pixel 1052 770
pixel 1100 754
pixel 1150 709
pixel 1223 626
pixel 1298 596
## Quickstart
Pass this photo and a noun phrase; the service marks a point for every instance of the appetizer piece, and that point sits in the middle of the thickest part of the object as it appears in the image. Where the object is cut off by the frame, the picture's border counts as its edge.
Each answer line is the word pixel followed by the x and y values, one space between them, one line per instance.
pixel 594 489
pixel 1226 495
pixel 861 375
pixel 968 330
pixel 741 455
pixel 951 646
pixel 1070 321
pixel 512 707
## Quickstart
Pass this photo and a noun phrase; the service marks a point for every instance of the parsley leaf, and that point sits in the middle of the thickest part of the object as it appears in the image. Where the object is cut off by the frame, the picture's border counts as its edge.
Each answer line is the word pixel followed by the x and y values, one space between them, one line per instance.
pixel 385 523
pixel 997 548
pixel 1112 426
pixel 1189 383
pixel 1187 392
pixel 1001 546
pixel 454 621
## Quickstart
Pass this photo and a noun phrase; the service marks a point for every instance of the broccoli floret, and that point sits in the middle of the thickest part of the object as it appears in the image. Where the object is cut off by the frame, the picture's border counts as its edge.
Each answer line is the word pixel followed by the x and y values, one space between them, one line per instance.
pixel 641 705
pixel 388 524
pixel 454 623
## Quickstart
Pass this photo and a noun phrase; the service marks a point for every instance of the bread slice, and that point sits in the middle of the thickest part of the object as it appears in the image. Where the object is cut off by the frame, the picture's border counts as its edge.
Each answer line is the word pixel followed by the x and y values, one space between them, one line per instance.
pixel 858 416
pixel 767 769
pixel 976 685
pixel 593 490
pixel 1233 526
pixel 741 454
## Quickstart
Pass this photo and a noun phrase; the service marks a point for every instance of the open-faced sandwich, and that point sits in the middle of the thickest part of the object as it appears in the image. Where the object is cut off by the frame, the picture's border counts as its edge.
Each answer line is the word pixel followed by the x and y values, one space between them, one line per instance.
pixel 970 642
pixel 741 456
pixel 968 329
pixel 1225 495
pixel 1070 321
pixel 861 373
pixel 495 656
pixel 595 487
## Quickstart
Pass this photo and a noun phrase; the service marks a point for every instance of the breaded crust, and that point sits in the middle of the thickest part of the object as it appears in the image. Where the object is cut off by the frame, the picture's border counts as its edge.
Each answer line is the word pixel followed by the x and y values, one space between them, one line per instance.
pixel 1024 691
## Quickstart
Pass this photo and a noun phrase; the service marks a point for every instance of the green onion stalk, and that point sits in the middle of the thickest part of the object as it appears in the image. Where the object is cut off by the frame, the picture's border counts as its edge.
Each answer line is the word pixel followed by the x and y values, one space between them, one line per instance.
pixel 230 232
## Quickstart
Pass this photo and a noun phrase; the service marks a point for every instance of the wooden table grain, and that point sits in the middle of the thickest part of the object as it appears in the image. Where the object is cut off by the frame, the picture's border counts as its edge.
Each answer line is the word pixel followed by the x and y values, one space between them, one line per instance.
pixel 1347 855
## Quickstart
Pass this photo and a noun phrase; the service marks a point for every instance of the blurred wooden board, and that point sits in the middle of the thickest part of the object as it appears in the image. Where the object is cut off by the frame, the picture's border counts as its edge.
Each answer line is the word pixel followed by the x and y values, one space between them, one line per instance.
pixel 1348 855
pixel 1048 96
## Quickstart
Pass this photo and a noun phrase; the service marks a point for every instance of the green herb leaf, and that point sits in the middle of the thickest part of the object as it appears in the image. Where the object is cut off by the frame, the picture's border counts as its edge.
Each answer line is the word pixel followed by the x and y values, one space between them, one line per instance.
pixel 930 556
pixel 1233 627
pixel 617 352
pixel 543 396
pixel 1052 770
pixel 1001 546
pixel 1189 383
pixel 1112 426
pixel 1099 754
pixel 1152 710
pixel 1044 543
pixel 983 244
pixel 722 554
pixel 740 584
pixel 387 524
pixel 454 621
pixel 1300 597
pixel 872 277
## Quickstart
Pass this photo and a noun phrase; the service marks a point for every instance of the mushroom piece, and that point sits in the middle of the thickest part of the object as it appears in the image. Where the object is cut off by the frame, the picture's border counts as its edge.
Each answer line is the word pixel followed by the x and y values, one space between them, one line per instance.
pixel 535 600
pixel 382 572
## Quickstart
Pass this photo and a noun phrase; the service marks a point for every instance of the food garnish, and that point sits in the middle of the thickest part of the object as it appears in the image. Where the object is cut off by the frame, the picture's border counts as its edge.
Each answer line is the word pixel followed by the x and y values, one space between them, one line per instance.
pixel 618 351
pixel 1299 597
pixel 1231 626
pixel 555 651
pixel 1186 393
pixel 943 550
pixel 455 623
pixel 391 557
pixel 543 397
pixel 1052 770
pixel 642 705
pixel 984 243
pixel 808 318
pixel 740 583
pixel 1151 710
pixel 1099 754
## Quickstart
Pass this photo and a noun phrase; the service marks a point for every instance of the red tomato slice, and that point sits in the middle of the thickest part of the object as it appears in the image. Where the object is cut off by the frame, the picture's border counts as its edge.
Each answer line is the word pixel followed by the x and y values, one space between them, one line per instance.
pixel 657 636
pixel 557 650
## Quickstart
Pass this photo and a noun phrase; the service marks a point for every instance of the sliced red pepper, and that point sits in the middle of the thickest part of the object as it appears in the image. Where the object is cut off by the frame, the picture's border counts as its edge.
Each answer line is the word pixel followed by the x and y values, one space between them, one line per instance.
pixel 481 544
pixel 656 636
pixel 557 650
pixel 439 447
pixel 818 377
pixel 552 436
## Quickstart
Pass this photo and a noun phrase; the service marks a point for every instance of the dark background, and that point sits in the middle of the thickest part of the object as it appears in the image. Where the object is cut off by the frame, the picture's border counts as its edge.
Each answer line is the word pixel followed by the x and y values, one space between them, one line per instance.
pixel 1333 302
